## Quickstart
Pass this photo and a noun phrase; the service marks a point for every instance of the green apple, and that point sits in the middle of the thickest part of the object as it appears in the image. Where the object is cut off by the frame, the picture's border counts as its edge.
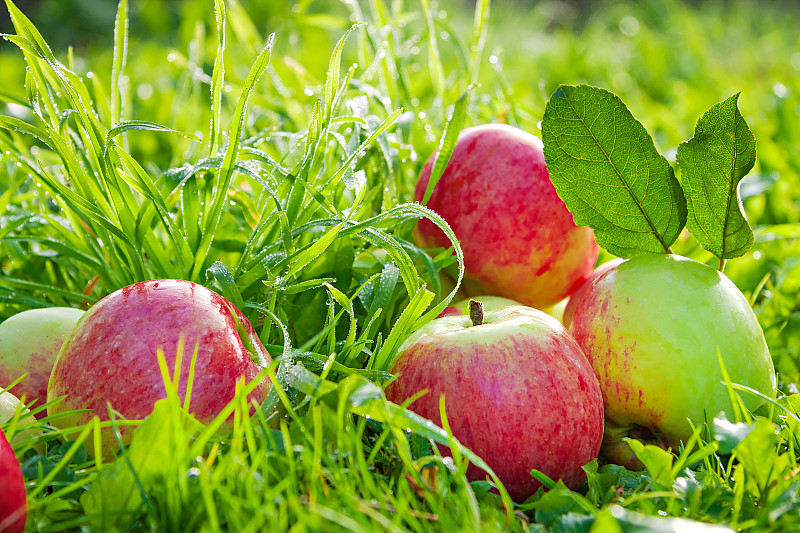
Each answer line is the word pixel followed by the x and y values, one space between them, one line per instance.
pixel 656 329
pixel 9 405
pixel 29 344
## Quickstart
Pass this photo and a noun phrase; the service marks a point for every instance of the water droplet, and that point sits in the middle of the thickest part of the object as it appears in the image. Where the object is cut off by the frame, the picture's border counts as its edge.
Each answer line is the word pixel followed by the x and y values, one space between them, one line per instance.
pixel 629 25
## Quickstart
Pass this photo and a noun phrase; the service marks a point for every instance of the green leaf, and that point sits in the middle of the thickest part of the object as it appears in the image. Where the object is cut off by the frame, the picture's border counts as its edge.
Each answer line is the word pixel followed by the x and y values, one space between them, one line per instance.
pixel 122 488
pixel 730 434
pixel 607 170
pixel 713 163
pixel 657 461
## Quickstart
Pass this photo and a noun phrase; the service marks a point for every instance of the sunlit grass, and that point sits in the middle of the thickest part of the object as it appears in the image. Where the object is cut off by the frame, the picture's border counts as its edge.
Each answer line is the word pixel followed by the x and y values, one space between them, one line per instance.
pixel 273 160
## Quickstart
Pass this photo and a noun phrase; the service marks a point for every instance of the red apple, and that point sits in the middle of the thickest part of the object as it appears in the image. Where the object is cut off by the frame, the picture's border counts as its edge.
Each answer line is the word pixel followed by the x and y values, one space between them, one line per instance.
pixel 569 310
pixel 110 356
pixel 518 391
pixel 13 500
pixel 655 328
pixel 29 344
pixel 518 238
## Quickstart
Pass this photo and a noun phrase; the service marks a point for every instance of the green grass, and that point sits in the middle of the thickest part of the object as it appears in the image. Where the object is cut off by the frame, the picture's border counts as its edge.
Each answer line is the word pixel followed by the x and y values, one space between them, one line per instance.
pixel 278 170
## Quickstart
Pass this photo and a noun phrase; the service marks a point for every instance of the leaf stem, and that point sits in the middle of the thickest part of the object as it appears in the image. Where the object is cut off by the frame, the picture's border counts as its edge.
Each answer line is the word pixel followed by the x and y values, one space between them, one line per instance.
pixel 722 263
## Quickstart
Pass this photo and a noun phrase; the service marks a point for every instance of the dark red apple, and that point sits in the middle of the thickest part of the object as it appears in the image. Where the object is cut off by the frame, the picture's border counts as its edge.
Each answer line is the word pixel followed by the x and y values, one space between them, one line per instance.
pixel 110 356
pixel 13 500
pixel 518 391
pixel 518 238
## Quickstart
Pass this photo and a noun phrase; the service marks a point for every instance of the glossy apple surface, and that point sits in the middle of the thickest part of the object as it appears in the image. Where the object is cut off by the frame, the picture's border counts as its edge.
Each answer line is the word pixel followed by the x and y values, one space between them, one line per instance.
pixel 13 500
pixel 518 392
pixel 518 238
pixel 29 344
pixel 110 356
pixel 653 327
pixel 572 302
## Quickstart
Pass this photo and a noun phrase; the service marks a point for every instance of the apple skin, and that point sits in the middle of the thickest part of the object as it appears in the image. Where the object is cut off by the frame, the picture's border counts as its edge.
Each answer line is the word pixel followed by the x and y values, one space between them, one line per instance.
pixel 652 327
pixel 110 356
pixel 518 392
pixel 572 303
pixel 29 343
pixel 518 238
pixel 13 499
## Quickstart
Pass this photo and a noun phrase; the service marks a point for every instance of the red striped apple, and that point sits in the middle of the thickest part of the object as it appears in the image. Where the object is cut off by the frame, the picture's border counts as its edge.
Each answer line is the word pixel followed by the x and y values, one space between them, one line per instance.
pixel 518 238
pixel 29 344
pixel 110 356
pixel 655 328
pixel 13 500
pixel 518 392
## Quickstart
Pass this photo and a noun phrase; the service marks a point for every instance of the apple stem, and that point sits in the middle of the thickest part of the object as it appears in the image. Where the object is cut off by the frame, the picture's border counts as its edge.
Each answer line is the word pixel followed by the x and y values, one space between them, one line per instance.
pixel 476 312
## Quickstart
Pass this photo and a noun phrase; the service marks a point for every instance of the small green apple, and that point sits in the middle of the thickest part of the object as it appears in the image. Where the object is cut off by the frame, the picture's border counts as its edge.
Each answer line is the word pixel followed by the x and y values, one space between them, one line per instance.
pixel 9 405
pixel 655 328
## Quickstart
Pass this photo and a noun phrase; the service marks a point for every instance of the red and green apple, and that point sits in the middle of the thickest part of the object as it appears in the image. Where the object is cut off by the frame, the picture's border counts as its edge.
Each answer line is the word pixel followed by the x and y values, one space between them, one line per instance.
pixel 518 392
pixel 29 344
pixel 111 354
pixel 657 330
pixel 519 239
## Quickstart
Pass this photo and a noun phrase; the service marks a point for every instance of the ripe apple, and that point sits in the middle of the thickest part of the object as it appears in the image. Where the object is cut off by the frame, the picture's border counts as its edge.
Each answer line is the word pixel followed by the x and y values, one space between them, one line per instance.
pixel 29 343
pixel 110 356
pixel 654 328
pixel 518 238
pixel 569 310
pixel 13 500
pixel 518 392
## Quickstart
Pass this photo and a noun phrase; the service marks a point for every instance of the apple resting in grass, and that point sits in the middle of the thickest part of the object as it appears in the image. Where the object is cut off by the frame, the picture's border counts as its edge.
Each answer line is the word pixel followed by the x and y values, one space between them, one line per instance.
pixel 518 392
pixel 29 344
pixel 110 356
pixel 518 238
pixel 653 327
pixel 13 500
